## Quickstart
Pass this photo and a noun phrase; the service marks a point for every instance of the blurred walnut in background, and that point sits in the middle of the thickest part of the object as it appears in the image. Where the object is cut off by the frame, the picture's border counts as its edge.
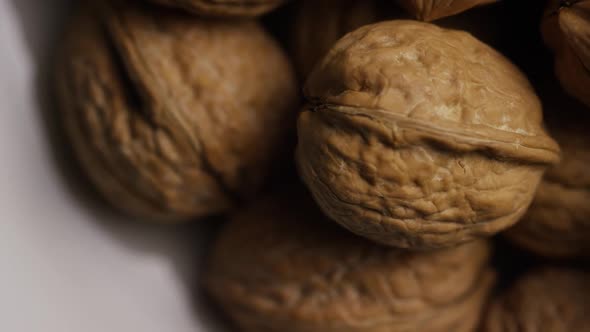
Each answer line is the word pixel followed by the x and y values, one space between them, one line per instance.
pixel 429 10
pixel 281 266
pixel 319 24
pixel 421 137
pixel 552 300
pixel 558 222
pixel 173 117
pixel 566 29
pixel 224 8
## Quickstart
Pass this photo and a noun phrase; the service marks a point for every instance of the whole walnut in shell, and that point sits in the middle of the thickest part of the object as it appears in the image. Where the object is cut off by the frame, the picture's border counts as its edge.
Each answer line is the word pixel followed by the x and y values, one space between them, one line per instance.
pixel 318 24
pixel 173 117
pixel 558 222
pixel 566 29
pixel 421 137
pixel 429 10
pixel 280 266
pixel 224 8
pixel 551 300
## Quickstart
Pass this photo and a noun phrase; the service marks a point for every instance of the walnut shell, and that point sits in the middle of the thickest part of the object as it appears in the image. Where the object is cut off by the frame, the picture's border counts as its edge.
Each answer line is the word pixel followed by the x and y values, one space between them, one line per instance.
pixel 421 137
pixel 319 24
pixel 558 222
pixel 566 30
pixel 224 8
pixel 280 266
pixel 171 116
pixel 335 18
pixel 429 10
pixel 549 300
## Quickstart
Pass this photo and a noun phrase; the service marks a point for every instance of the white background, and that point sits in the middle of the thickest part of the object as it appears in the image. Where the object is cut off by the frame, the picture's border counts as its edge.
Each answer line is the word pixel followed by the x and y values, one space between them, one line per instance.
pixel 67 263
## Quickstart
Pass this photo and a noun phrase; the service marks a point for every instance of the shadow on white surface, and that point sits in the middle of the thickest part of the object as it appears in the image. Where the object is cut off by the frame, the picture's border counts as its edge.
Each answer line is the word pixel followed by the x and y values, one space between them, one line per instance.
pixel 158 248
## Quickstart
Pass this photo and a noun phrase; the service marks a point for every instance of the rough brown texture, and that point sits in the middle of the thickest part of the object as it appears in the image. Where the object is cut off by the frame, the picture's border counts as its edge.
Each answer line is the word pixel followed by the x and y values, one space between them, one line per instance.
pixel 558 222
pixel 280 266
pixel 320 23
pixel 421 137
pixel 224 8
pixel 548 300
pixel 566 29
pixel 429 10
pixel 173 117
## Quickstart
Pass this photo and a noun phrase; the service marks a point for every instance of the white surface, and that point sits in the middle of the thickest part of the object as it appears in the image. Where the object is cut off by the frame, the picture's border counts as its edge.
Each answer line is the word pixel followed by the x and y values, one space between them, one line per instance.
pixel 65 264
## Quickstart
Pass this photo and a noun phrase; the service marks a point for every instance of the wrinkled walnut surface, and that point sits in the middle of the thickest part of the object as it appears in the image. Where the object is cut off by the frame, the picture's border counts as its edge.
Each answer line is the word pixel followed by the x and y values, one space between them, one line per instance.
pixel 224 8
pixel 429 10
pixel 558 222
pixel 566 29
pixel 280 266
pixel 548 300
pixel 421 137
pixel 173 117
pixel 319 24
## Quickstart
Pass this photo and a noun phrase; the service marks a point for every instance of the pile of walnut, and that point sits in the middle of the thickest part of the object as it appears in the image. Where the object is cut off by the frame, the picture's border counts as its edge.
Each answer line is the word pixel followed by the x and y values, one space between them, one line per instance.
pixel 416 143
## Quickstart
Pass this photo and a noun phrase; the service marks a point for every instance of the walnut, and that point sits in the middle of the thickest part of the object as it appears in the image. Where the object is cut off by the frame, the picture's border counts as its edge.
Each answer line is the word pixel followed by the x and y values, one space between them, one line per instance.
pixel 280 266
pixel 173 117
pixel 553 300
pixel 566 30
pixel 421 137
pixel 224 8
pixel 558 222
pixel 335 18
pixel 429 10
pixel 319 24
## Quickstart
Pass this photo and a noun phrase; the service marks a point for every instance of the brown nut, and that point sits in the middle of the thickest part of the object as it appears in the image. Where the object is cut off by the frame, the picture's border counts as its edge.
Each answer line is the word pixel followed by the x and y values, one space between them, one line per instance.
pixel 429 10
pixel 549 300
pixel 319 24
pixel 558 222
pixel 421 137
pixel 171 116
pixel 566 30
pixel 224 8
pixel 280 266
